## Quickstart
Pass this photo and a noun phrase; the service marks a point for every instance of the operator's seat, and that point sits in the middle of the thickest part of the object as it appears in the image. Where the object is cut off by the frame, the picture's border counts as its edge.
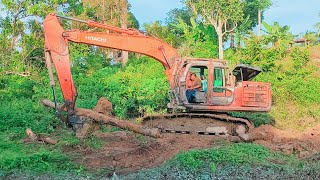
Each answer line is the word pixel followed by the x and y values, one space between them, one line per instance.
pixel 200 97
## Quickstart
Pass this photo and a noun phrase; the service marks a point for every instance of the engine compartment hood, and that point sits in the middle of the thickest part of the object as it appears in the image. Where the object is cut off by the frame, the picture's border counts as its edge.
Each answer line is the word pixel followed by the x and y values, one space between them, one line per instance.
pixel 244 72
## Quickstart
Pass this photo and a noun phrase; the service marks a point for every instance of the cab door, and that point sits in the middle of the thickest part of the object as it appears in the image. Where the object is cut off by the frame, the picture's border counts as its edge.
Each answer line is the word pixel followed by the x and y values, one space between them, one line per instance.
pixel 222 92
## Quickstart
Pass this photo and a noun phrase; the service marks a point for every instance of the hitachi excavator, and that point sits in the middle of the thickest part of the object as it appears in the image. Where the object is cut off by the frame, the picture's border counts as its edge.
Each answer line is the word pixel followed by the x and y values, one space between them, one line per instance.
pixel 227 90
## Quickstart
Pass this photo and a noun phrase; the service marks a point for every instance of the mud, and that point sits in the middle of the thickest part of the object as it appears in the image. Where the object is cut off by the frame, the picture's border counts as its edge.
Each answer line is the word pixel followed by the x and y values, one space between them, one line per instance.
pixel 304 144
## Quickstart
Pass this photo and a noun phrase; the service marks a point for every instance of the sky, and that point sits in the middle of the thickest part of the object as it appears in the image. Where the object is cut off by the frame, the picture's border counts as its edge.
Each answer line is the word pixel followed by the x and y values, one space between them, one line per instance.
pixel 300 15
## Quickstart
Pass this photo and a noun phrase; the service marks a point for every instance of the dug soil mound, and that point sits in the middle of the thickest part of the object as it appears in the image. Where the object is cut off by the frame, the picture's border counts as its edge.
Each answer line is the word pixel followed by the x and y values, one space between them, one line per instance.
pixel 304 144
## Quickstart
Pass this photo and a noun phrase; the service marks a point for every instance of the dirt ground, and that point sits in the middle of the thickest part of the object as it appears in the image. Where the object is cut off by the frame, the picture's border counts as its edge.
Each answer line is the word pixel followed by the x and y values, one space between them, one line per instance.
pixel 304 144
pixel 125 152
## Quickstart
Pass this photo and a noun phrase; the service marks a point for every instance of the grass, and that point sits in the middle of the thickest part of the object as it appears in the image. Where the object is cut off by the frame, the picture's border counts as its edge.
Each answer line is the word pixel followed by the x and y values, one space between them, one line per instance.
pixel 233 161
pixel 20 109
pixel 14 155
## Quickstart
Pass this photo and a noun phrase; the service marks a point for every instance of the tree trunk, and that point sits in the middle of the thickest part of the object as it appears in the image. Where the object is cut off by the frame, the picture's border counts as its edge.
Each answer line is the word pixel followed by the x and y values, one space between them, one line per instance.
pixel 259 22
pixel 124 24
pixel 220 37
pixel 232 40
pixel 101 118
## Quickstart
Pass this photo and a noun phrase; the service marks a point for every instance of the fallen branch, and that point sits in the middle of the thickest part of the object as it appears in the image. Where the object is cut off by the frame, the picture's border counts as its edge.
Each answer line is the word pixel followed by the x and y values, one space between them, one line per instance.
pixel 38 138
pixel 24 74
pixel 101 118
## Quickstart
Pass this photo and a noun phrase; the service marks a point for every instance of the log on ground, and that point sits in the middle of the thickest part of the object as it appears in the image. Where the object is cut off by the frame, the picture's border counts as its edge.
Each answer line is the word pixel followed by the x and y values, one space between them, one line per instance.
pixel 98 117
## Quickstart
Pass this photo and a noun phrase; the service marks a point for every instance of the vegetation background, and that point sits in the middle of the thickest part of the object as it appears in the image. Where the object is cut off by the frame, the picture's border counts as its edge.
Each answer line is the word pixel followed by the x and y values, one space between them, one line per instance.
pixel 140 85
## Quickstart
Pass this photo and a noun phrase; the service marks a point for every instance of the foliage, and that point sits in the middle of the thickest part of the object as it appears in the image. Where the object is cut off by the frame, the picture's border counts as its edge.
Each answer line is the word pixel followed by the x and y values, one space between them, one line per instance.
pixel 251 9
pixel 257 50
pixel 140 87
pixel 300 57
pixel 277 35
pixel 162 32
pixel 175 16
pixel 18 156
pixel 258 119
pixel 20 110
pixel 313 37
pixel 199 40
pixel 222 15
pixel 21 29
pixel 133 21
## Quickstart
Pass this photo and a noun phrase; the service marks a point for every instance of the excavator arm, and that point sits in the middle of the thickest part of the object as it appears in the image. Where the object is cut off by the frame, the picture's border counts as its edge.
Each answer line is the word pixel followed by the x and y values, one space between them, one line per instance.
pixel 57 51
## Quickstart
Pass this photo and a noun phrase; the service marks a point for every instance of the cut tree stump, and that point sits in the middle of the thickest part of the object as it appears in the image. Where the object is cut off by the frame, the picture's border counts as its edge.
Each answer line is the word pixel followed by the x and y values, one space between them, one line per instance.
pixel 101 118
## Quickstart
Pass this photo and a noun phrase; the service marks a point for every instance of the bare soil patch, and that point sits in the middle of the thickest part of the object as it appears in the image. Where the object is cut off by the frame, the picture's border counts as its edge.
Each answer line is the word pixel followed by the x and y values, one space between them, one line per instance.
pixel 304 144
pixel 126 152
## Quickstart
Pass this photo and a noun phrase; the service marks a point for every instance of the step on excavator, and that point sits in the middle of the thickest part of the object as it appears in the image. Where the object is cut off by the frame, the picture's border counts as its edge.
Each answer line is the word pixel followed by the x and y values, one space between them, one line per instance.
pixel 204 114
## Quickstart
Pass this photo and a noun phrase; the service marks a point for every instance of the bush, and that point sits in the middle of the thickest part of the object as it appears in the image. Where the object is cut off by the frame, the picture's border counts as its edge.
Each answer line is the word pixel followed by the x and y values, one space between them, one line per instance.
pixel 300 57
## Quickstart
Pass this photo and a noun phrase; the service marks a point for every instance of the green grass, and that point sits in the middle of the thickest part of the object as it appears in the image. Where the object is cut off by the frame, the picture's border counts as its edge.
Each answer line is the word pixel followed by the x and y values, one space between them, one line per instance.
pixel 14 155
pixel 231 161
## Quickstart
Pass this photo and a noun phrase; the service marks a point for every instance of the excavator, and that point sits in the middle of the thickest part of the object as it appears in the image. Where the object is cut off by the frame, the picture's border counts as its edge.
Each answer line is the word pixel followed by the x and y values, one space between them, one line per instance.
pixel 227 90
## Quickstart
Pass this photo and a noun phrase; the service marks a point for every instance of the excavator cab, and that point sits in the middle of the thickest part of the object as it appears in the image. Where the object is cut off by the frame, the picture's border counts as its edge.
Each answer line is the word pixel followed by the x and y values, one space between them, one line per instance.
pixel 227 90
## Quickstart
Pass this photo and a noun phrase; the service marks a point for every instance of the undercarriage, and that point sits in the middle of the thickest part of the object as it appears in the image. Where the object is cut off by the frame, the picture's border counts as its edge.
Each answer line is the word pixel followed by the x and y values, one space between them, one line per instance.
pixel 200 124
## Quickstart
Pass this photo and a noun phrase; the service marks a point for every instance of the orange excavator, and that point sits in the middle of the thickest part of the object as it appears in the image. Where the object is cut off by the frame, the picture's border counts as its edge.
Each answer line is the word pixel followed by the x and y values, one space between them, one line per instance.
pixel 227 90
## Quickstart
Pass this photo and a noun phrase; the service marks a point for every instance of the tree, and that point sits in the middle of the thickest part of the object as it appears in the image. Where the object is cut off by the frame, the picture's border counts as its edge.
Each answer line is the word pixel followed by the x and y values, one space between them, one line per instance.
pixel 123 9
pixel 199 40
pixel 16 27
pixel 162 32
pixel 221 14
pixel 262 5
pixel 253 14
pixel 278 36
pixel 175 16
pixel 114 12
pixel 133 21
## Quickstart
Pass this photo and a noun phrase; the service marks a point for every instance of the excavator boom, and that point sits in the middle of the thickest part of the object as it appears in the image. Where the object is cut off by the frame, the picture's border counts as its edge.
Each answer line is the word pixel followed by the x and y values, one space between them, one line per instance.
pixel 57 51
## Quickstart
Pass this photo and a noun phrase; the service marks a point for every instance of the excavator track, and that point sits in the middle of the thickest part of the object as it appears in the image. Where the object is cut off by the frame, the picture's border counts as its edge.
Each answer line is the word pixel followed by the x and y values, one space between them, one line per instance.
pixel 199 124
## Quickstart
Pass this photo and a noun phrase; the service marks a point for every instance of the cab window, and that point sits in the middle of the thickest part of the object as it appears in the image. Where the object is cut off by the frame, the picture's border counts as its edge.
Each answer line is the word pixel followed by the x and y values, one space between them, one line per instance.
pixel 218 80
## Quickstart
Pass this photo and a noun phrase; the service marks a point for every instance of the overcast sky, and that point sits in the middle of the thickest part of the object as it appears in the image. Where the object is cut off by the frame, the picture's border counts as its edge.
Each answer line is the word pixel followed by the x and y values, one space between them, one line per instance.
pixel 300 15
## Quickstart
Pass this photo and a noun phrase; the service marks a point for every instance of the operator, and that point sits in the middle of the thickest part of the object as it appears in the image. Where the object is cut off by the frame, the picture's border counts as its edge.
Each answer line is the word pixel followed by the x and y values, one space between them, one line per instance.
pixel 193 85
